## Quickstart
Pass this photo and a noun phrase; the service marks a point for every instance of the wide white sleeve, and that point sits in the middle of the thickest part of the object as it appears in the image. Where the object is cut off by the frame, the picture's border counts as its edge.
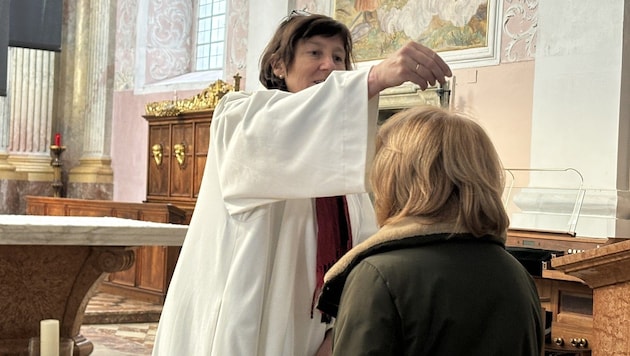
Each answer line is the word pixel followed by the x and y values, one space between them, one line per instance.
pixel 362 217
pixel 273 145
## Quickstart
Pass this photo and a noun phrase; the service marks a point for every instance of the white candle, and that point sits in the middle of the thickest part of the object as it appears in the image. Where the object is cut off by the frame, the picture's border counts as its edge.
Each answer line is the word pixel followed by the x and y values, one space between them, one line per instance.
pixel 49 337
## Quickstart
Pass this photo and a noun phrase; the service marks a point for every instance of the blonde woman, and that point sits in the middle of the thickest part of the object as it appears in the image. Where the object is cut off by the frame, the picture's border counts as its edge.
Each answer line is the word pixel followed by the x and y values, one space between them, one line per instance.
pixel 436 278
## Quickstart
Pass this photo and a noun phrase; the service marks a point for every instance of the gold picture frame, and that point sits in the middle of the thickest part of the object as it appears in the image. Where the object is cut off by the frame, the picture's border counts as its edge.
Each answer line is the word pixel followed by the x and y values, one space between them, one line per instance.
pixel 464 32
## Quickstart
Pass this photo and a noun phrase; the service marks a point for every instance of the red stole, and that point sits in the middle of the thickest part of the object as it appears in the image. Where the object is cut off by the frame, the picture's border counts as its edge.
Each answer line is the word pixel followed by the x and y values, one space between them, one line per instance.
pixel 334 236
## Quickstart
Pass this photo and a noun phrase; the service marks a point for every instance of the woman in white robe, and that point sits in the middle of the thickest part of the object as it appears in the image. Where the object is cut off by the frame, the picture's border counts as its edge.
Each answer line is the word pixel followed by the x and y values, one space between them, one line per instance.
pixel 245 278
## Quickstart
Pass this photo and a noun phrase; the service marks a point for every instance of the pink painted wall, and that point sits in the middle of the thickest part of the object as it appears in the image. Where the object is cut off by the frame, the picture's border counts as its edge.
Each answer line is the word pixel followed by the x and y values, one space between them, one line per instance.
pixel 501 98
pixel 129 156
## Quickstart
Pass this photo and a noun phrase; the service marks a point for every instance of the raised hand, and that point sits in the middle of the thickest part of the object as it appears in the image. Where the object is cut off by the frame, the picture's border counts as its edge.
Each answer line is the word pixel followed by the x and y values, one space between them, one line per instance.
pixel 413 62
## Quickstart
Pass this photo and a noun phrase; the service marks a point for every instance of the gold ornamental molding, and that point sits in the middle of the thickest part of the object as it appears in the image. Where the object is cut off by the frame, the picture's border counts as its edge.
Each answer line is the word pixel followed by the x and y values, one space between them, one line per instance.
pixel 206 100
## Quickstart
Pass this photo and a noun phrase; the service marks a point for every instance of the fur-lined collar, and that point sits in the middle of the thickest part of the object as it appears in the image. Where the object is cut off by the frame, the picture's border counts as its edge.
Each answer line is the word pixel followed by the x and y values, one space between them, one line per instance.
pixel 408 227
pixel 411 231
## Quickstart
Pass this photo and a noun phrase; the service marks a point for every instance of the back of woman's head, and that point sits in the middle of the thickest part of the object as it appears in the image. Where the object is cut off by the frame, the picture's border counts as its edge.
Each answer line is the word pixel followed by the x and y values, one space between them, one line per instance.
pixel 441 166
pixel 283 44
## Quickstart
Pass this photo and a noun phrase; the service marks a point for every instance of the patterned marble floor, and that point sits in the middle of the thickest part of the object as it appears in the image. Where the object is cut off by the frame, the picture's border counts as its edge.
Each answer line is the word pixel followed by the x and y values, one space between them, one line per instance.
pixel 120 339
pixel 118 326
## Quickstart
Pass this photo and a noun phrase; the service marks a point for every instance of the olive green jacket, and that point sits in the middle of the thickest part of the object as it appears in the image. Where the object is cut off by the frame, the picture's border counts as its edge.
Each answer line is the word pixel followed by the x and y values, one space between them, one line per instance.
pixel 415 289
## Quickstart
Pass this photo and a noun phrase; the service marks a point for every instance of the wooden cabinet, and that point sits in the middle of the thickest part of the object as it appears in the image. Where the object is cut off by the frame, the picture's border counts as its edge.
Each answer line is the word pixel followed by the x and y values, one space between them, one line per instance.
pixel 179 135
pixel 570 304
pixel 178 148
pixel 606 270
pixel 567 299
pixel 151 273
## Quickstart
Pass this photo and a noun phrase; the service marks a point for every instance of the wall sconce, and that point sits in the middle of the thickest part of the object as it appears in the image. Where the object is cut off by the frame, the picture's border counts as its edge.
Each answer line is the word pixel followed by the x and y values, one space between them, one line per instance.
pixel 156 151
pixel 180 153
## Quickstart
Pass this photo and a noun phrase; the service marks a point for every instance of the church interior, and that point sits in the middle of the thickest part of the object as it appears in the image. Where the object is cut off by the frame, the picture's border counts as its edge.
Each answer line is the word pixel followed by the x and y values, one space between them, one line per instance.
pixel 109 116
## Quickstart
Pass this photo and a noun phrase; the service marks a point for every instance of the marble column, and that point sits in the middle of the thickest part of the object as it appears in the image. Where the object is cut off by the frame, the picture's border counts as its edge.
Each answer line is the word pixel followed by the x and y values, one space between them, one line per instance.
pixel 25 128
pixel 92 98
pixel 31 111
pixel 7 171
pixel 5 125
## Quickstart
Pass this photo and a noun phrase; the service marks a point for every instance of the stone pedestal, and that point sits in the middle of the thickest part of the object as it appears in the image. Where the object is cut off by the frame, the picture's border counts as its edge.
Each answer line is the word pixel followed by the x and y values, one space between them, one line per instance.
pixel 51 282
pixel 607 271
pixel 50 266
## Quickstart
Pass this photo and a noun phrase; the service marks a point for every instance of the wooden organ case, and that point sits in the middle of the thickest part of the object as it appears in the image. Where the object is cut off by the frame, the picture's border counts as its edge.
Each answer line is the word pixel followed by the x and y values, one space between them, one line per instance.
pixel 567 300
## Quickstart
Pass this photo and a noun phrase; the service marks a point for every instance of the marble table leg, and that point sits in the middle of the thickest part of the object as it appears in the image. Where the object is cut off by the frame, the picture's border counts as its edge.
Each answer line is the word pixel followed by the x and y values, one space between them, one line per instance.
pixel 52 282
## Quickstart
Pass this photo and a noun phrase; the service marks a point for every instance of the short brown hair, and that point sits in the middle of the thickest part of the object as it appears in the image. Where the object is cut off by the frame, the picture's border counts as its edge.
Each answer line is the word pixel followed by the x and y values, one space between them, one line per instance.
pixel 295 28
pixel 441 166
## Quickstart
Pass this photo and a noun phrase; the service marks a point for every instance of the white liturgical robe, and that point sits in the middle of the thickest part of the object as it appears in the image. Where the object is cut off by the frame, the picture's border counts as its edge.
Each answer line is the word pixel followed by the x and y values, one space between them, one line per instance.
pixel 245 278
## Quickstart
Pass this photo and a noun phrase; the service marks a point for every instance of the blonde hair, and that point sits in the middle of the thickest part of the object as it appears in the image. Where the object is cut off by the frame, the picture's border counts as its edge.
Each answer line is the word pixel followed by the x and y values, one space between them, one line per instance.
pixel 441 166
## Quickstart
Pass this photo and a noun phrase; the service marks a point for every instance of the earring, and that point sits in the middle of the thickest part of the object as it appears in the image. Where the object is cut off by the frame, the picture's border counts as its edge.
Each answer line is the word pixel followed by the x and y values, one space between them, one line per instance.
pixel 281 76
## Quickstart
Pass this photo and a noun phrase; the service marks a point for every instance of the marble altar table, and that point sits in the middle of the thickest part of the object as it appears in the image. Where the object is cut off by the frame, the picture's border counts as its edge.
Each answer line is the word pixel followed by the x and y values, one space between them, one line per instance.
pixel 50 266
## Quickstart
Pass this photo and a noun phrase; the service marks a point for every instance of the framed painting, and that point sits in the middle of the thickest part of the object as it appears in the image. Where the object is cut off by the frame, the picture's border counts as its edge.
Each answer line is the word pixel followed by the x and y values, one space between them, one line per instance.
pixel 464 32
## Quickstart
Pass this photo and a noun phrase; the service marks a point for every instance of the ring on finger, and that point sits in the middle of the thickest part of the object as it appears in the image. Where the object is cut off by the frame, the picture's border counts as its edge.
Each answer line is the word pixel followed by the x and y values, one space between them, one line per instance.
pixel 417 66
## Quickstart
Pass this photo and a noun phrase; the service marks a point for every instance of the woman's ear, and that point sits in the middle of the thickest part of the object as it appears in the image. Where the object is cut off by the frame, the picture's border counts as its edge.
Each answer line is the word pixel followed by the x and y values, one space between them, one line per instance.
pixel 279 69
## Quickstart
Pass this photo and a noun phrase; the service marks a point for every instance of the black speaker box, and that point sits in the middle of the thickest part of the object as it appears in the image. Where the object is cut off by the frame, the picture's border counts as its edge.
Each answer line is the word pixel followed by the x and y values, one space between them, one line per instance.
pixel 4 45
pixel 35 24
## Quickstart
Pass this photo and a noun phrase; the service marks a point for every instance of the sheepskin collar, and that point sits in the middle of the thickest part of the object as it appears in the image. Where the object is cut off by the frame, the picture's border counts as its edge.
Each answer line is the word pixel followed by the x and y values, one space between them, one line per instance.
pixel 408 227
pixel 411 231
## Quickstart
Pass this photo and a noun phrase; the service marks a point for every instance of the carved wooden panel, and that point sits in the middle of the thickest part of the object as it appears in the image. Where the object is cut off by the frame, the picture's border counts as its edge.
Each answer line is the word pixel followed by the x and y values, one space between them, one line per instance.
pixel 184 139
pixel 182 167
pixel 159 158
pixel 128 276
pixel 202 139
pixel 149 277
